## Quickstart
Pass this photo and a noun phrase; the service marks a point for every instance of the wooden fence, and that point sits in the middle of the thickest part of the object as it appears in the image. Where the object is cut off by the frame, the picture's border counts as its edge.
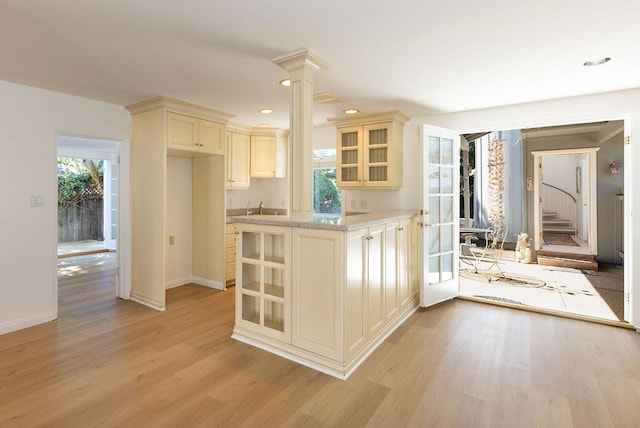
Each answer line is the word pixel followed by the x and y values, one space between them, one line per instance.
pixel 81 222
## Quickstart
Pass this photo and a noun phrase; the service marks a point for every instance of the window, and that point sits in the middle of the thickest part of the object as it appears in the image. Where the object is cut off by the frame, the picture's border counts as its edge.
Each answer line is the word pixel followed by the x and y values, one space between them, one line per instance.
pixel 327 198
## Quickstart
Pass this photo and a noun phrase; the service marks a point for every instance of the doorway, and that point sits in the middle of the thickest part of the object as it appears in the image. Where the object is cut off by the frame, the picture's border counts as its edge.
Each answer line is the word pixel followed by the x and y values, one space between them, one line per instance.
pixel 565 203
pixel 88 222
pixel 588 159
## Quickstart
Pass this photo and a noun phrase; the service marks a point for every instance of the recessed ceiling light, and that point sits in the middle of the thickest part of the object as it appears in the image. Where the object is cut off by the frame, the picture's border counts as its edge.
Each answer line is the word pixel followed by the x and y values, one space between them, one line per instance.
pixel 263 125
pixel 351 111
pixel 285 82
pixel 266 110
pixel 597 62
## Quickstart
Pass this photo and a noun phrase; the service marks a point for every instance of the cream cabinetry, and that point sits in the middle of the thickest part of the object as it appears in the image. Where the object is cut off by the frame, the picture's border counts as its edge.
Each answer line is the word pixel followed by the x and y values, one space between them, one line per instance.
pixel 369 151
pixel 187 133
pixel 401 272
pixel 346 291
pixel 238 148
pixel 318 294
pixel 263 300
pixel 154 137
pixel 366 294
pixel 230 255
pixel 268 153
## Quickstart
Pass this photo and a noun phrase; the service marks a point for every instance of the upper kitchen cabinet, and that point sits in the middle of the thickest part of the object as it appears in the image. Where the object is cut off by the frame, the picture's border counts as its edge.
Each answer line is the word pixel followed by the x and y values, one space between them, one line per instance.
pixel 191 134
pixel 268 153
pixel 370 151
pixel 238 158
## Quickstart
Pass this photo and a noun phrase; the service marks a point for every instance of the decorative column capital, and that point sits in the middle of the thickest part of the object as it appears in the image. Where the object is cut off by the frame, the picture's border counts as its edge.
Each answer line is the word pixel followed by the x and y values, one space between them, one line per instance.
pixel 303 58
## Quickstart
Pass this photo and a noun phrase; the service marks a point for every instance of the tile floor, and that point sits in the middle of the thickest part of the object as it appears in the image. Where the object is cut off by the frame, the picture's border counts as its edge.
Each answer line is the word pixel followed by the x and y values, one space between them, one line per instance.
pixel 559 289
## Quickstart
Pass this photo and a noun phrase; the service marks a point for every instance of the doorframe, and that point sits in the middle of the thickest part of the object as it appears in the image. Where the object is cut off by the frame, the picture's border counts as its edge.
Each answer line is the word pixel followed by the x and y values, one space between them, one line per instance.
pixel 123 281
pixel 593 195
pixel 557 120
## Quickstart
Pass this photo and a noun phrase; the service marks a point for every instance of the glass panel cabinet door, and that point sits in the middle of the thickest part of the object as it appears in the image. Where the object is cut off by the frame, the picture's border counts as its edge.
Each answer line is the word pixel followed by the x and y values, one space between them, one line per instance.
pixel 262 284
pixel 376 160
pixel 350 156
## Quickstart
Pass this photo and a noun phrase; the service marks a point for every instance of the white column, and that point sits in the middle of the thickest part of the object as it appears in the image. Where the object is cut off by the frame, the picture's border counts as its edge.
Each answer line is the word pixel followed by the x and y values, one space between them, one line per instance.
pixel 301 66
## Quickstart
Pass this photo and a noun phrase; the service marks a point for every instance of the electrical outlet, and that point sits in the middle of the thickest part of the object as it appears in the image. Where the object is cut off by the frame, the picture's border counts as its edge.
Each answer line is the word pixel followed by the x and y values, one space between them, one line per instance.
pixel 353 204
pixel 363 204
pixel 172 240
pixel 230 202
pixel 282 203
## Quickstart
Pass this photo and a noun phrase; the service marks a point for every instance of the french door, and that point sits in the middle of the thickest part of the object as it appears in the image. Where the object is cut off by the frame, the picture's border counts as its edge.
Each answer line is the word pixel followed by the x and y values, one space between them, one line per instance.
pixel 440 215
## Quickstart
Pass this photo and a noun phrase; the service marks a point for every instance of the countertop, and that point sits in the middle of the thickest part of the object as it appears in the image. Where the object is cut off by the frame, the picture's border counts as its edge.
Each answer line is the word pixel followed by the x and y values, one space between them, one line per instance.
pixel 327 221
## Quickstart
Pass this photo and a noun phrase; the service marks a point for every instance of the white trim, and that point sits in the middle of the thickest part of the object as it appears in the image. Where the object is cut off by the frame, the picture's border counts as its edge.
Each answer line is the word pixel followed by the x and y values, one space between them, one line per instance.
pixel 208 283
pixel 123 241
pixel 177 282
pixel 317 362
pixel 27 322
pixel 194 280
pixel 593 193
pixel 87 154
pixel 153 304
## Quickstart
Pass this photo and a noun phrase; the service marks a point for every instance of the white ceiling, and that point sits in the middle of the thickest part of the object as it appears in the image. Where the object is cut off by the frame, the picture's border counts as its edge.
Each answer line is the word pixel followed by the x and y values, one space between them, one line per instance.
pixel 418 56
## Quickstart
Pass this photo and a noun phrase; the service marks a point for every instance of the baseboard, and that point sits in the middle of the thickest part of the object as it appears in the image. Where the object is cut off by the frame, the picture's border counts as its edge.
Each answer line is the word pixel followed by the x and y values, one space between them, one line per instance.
pixel 208 283
pixel 177 282
pixel 27 322
pixel 326 365
pixel 151 303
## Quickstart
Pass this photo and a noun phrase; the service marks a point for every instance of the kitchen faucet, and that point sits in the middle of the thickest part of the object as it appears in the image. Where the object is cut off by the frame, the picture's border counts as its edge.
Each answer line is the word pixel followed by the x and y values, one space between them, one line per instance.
pixel 260 208
pixel 248 212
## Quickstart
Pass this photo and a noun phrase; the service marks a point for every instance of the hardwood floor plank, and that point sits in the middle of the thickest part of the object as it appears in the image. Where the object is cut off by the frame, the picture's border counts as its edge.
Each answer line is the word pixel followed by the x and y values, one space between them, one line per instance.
pixel 115 363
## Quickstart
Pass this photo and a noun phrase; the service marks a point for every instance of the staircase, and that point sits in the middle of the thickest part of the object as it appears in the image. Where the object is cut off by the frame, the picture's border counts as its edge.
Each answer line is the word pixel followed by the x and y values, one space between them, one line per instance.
pixel 554 224
pixel 567 260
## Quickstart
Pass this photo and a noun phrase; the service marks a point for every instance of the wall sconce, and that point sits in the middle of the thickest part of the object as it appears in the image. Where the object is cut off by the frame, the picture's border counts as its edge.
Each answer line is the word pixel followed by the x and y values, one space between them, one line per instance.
pixel 614 168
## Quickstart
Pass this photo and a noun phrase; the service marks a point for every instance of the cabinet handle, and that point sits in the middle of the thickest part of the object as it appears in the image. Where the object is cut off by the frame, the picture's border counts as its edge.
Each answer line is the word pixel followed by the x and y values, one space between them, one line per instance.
pixel 401 228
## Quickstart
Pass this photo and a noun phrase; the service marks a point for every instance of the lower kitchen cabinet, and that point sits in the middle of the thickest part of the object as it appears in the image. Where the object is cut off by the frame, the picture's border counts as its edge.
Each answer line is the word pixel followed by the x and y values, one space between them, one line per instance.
pixel 329 297
pixel 263 300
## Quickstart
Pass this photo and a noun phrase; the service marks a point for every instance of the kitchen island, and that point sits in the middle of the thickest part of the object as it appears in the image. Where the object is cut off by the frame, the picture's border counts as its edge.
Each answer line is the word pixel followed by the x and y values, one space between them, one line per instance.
pixel 325 292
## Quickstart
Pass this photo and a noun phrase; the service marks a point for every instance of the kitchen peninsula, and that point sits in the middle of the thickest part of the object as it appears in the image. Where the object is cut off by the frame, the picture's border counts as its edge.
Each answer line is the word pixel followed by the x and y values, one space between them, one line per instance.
pixel 325 292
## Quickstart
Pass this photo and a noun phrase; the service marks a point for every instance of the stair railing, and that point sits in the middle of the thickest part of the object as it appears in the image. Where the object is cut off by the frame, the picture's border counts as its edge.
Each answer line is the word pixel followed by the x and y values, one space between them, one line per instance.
pixel 561 202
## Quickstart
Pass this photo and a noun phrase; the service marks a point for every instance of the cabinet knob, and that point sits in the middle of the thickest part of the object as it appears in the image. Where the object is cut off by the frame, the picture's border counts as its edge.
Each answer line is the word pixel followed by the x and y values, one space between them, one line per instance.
pixel 401 228
pixel 237 233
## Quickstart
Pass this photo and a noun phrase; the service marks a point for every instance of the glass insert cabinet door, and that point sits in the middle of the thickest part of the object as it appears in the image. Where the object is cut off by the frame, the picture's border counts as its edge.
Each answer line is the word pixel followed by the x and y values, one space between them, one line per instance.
pixel 376 143
pixel 350 156
pixel 262 283
pixel 440 181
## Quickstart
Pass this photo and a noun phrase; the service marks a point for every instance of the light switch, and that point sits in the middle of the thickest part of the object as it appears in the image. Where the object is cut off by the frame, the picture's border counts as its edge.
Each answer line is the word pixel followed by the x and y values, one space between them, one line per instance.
pixel 171 240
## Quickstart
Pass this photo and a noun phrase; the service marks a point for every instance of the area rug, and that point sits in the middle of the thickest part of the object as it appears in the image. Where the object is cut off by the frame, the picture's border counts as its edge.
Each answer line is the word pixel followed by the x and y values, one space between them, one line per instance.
pixel 559 239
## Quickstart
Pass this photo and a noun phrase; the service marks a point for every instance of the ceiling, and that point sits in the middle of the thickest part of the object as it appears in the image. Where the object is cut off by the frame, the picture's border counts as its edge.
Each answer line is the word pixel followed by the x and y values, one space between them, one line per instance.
pixel 418 56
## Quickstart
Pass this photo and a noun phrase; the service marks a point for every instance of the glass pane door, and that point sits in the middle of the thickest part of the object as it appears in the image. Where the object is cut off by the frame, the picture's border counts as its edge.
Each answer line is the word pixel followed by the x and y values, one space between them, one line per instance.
pixel 441 213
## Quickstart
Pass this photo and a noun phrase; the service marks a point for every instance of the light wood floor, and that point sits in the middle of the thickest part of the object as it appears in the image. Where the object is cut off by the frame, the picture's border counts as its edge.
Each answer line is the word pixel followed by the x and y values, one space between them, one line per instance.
pixel 115 363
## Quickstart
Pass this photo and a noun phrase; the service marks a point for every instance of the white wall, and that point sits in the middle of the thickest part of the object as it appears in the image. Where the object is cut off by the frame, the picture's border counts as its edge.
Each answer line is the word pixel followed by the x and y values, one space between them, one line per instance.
pixel 179 222
pixel 557 171
pixel 273 192
pixel 30 120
